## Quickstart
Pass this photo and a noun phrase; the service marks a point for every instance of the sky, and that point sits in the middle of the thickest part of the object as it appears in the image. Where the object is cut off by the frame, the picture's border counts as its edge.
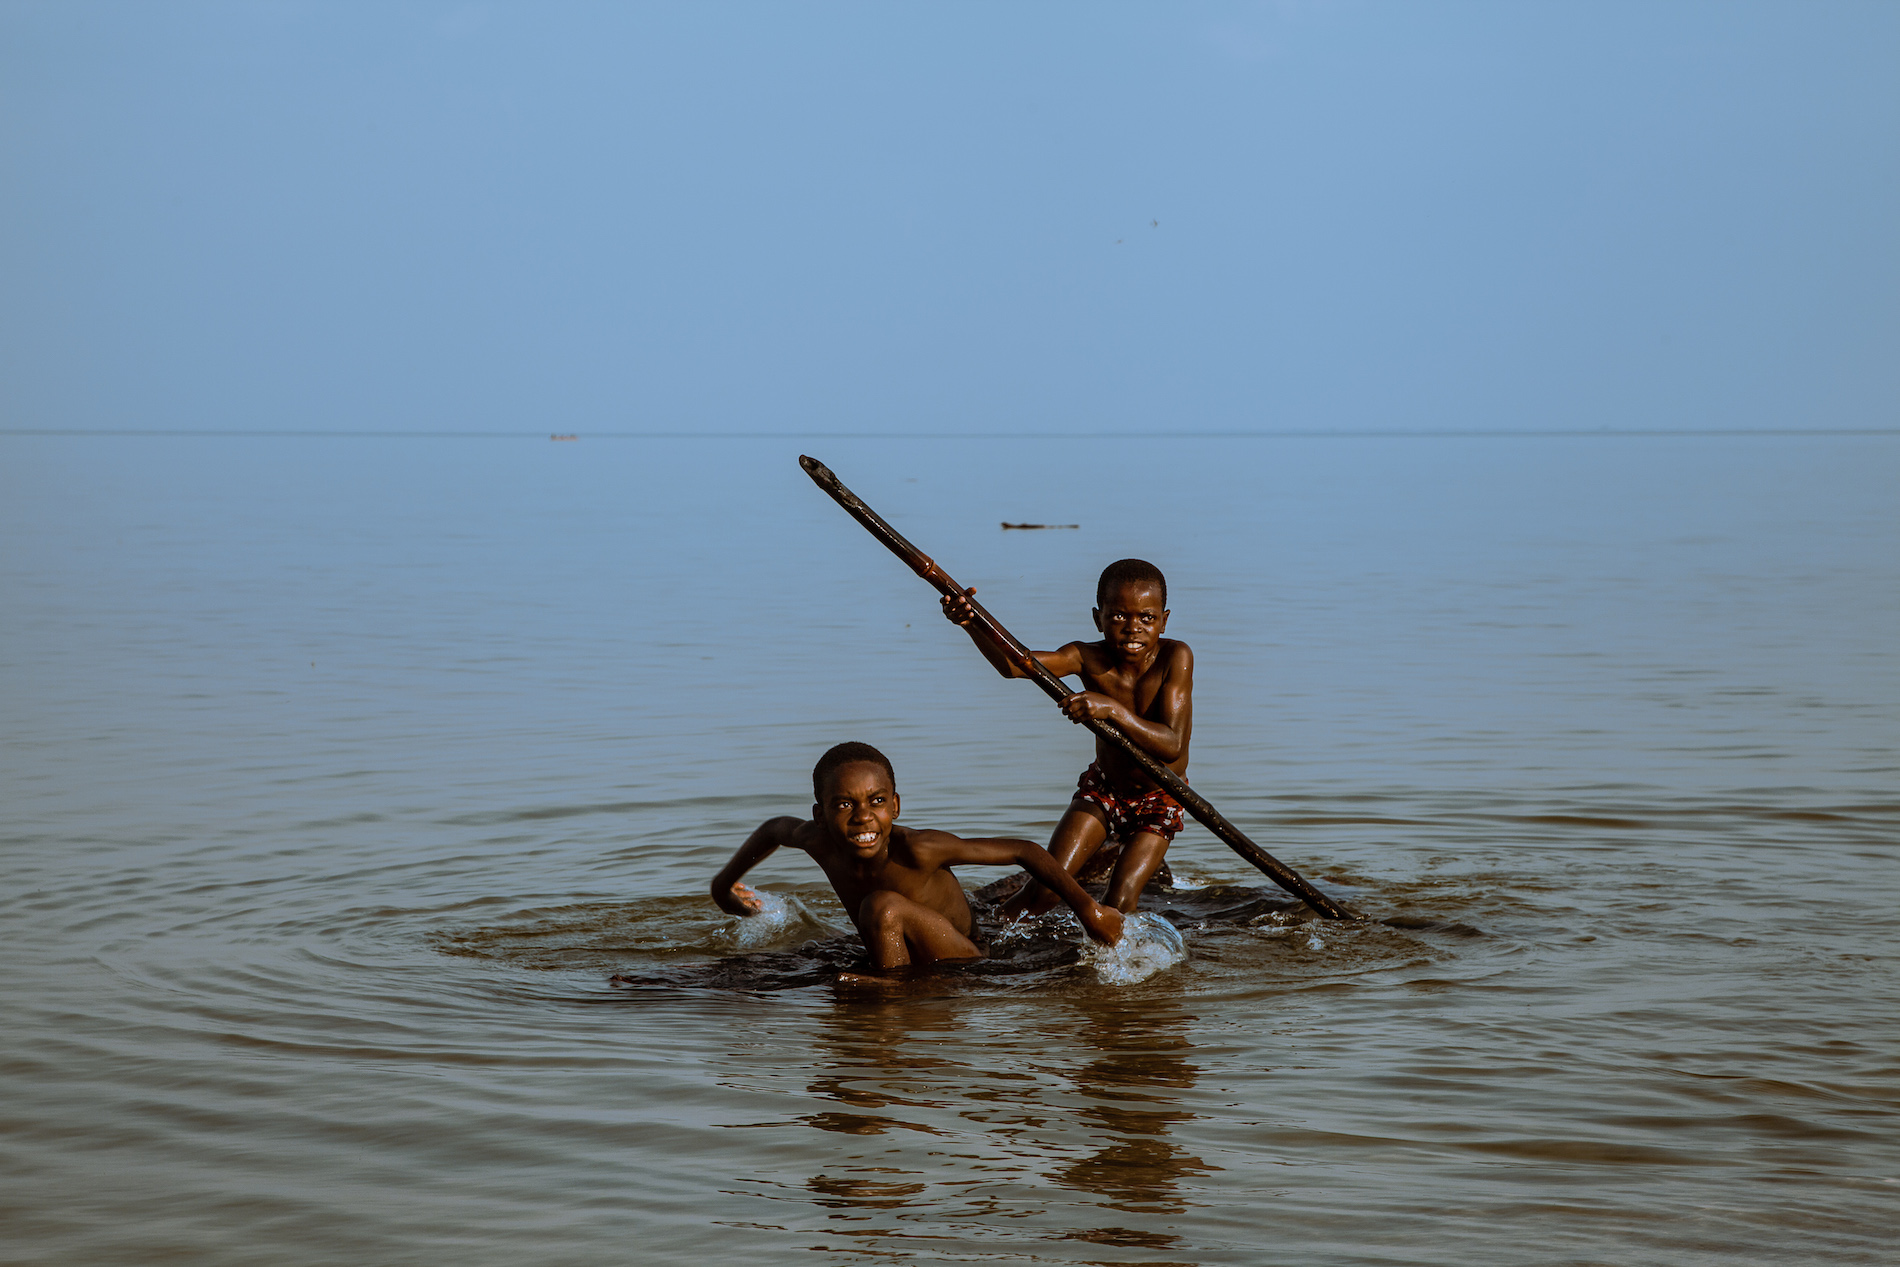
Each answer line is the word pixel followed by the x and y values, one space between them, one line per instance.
pixel 949 219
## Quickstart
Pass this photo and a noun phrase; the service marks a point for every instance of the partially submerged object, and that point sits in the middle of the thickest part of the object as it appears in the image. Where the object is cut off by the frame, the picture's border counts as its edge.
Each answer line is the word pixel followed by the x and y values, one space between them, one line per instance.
pixel 1042 945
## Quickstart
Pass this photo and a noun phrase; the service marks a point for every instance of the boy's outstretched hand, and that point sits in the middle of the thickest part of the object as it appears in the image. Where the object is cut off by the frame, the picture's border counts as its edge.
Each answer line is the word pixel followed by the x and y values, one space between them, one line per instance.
pixel 956 607
pixel 740 900
pixel 1103 923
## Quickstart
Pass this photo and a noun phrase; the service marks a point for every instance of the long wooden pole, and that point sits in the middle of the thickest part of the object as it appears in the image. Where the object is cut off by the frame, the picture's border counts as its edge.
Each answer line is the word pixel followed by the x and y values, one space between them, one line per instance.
pixel 1017 654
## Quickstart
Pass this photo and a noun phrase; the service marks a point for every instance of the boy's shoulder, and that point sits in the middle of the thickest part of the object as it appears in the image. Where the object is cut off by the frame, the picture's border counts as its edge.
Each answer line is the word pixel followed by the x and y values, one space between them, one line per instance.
pixel 927 849
pixel 921 843
pixel 1177 659
pixel 799 833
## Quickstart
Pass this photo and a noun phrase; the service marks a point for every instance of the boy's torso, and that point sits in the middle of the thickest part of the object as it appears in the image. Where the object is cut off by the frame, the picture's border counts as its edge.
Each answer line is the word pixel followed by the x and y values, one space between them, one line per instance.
pixel 1105 674
pixel 935 887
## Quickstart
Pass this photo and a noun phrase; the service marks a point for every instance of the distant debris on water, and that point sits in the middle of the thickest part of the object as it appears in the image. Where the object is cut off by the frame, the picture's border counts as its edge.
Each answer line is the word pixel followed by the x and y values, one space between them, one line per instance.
pixel 558 436
pixel 1009 525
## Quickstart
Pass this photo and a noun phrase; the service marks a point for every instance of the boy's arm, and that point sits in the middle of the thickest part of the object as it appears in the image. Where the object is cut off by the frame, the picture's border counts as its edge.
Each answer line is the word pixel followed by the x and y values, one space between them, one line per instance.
pixel 1062 663
pixel 1166 733
pixel 1103 923
pixel 737 899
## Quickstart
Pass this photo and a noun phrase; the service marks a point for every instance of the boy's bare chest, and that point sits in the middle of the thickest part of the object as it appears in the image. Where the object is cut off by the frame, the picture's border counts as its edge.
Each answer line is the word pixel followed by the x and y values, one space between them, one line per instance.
pixel 1137 690
pixel 854 880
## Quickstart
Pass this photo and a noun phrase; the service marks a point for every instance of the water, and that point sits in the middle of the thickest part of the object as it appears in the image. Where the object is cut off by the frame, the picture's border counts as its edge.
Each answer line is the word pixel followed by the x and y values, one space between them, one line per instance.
pixel 1150 943
pixel 342 774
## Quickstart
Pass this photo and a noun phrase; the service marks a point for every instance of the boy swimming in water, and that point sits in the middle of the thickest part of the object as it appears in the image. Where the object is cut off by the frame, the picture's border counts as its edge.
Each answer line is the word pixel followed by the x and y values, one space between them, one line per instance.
pixel 895 882
pixel 1142 682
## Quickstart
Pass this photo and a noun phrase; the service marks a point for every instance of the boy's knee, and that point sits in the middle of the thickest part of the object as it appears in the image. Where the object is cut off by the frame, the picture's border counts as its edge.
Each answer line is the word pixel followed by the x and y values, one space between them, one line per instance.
pixel 880 907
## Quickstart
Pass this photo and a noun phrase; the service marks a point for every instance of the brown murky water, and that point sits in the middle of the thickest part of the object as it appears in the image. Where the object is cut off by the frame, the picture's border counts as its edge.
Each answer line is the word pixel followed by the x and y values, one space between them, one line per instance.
pixel 341 775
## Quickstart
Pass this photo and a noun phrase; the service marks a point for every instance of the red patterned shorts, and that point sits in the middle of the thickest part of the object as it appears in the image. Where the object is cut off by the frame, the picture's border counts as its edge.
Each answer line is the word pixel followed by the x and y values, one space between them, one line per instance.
pixel 1154 811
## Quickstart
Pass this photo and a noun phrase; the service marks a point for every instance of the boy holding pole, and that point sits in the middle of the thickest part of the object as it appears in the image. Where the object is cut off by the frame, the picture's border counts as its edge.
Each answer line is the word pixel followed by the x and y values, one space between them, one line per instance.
pixel 1142 682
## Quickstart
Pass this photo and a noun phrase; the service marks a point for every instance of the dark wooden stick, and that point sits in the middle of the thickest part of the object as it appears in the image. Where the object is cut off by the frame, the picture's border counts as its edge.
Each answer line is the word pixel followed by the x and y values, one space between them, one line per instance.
pixel 1017 654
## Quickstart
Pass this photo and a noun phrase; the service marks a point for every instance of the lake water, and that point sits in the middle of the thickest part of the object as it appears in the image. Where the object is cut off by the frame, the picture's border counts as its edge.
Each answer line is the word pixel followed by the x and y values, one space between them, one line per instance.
pixel 340 774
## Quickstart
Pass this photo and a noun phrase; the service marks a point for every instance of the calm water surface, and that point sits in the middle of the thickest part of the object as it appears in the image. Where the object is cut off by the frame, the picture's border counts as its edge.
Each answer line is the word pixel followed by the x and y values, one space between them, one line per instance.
pixel 340 775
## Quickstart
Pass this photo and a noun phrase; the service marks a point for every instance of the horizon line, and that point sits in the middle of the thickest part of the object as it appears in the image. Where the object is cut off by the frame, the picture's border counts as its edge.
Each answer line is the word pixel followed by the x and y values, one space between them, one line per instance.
pixel 1344 433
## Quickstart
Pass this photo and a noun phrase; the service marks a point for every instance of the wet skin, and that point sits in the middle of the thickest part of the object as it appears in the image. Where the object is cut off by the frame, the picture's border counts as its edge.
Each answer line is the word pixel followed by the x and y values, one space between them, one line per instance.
pixel 895 882
pixel 1134 677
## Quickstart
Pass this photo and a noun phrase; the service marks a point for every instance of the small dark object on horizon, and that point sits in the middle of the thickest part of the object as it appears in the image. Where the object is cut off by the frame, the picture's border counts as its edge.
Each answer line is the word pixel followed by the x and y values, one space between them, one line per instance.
pixel 558 436
pixel 1009 525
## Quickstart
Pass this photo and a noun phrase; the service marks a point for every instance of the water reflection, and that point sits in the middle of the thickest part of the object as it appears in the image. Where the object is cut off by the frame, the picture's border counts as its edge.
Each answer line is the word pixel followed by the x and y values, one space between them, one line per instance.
pixel 874 1059
pixel 1134 1089
pixel 1101 1111
pixel 867 1051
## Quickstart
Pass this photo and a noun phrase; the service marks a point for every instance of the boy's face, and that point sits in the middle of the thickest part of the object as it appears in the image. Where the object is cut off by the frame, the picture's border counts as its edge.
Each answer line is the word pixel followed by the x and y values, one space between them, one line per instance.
pixel 859 807
pixel 1131 618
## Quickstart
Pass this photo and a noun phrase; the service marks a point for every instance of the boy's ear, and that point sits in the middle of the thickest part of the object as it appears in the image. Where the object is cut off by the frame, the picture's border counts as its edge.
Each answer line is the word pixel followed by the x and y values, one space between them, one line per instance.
pixel 1095 614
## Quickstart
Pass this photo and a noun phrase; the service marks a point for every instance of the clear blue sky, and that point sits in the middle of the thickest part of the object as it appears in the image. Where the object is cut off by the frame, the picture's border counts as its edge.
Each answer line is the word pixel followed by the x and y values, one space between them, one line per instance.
pixel 941 218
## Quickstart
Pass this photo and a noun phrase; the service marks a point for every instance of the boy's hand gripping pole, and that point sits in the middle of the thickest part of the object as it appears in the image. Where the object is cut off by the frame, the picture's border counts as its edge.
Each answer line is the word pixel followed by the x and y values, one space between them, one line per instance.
pixel 1177 787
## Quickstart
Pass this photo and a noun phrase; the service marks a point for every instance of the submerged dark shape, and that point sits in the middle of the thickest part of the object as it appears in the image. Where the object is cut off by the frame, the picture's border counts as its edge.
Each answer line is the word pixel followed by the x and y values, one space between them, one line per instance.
pixel 1429 924
pixel 1011 525
pixel 820 961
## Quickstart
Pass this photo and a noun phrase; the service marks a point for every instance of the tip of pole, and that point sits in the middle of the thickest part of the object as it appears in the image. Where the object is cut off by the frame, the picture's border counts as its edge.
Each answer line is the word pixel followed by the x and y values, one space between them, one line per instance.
pixel 810 464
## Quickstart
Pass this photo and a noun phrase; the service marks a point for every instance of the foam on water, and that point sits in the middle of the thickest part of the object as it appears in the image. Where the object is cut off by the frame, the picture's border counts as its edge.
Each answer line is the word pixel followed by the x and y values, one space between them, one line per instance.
pixel 1148 945
pixel 782 920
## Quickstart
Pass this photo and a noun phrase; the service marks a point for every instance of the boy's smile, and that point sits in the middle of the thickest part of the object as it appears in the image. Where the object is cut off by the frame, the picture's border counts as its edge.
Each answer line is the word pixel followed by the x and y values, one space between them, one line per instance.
pixel 860 806
pixel 1131 619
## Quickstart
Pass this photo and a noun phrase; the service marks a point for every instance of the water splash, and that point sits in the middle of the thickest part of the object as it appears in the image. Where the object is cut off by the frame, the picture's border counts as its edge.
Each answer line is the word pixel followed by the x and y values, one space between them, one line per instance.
pixel 782 919
pixel 1149 945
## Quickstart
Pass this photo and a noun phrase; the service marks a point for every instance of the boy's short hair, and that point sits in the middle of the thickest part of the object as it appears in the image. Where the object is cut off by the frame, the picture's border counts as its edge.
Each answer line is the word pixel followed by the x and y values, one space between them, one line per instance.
pixel 846 754
pixel 1130 572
